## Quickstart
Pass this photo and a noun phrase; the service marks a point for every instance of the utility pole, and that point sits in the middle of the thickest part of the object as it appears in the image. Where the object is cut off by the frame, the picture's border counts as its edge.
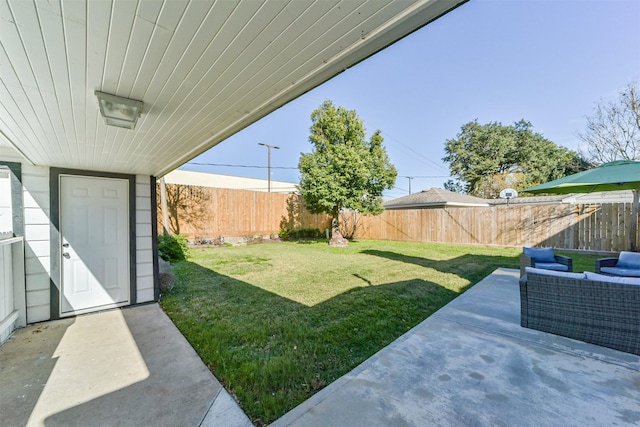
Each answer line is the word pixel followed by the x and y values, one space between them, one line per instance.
pixel 410 178
pixel 269 147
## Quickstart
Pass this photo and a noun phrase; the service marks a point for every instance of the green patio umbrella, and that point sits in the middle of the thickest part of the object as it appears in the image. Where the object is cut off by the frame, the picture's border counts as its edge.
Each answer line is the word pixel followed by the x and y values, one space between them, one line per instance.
pixel 618 175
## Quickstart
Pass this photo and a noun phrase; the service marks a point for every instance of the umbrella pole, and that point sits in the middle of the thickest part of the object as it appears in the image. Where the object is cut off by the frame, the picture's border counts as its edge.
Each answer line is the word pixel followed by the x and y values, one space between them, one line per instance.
pixel 633 229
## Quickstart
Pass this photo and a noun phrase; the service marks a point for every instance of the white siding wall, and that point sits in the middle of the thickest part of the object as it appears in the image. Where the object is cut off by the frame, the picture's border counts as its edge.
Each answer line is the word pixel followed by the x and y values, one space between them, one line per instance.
pixel 37 231
pixel 35 180
pixel 144 252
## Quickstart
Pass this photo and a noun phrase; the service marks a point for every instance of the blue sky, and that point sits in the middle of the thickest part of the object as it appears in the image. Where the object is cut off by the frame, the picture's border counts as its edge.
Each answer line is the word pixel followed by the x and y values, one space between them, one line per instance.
pixel 548 62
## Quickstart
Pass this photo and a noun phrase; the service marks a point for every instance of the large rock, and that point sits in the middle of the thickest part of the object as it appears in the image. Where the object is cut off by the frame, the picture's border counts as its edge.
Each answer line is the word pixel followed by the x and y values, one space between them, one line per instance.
pixel 337 239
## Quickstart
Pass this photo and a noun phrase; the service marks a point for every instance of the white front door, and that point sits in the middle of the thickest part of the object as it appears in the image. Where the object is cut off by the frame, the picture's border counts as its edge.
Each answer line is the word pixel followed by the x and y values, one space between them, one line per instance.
pixel 94 239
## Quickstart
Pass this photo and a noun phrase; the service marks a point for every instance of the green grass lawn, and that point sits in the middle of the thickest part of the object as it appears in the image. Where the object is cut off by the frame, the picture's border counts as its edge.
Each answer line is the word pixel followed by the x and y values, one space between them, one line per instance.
pixel 581 261
pixel 277 322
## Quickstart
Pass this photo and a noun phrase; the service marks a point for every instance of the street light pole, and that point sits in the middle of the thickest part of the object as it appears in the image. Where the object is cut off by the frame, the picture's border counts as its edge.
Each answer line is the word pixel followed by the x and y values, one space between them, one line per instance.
pixel 269 147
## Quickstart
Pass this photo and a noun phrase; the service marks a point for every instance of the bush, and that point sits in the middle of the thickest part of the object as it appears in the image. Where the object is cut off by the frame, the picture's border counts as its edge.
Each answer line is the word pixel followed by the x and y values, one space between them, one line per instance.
pixel 302 233
pixel 285 234
pixel 310 232
pixel 173 248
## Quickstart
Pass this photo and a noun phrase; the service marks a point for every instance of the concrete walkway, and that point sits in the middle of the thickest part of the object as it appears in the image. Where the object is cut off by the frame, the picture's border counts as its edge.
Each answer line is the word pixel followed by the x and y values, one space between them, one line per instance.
pixel 128 367
pixel 471 364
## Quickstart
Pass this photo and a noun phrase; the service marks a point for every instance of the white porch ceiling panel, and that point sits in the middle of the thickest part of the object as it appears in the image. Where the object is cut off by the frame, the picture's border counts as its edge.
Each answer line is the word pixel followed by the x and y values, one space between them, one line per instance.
pixel 204 69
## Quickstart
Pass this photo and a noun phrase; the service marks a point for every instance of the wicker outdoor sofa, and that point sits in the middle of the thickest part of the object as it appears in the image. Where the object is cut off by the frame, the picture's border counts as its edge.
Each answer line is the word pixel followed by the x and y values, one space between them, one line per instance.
pixel 588 307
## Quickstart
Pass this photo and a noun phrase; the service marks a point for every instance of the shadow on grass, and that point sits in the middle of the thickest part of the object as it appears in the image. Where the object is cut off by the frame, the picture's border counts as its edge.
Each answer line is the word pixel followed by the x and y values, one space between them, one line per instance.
pixel 273 353
pixel 468 266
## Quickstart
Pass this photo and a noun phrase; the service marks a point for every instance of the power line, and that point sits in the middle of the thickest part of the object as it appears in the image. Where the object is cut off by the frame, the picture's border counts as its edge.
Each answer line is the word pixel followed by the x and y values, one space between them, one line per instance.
pixel 400 189
pixel 414 153
pixel 239 166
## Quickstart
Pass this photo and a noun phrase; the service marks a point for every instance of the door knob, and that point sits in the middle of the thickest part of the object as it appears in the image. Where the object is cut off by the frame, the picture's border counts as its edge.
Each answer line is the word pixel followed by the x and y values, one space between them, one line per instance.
pixel 66 255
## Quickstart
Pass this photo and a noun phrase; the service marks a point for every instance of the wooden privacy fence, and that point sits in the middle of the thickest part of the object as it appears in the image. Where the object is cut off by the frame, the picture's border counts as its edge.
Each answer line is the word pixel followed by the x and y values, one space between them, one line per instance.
pixel 597 227
pixel 203 212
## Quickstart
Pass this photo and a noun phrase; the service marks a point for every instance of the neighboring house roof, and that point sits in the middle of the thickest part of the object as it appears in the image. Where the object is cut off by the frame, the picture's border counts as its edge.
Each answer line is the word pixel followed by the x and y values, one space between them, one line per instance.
pixel 203 69
pixel 204 179
pixel 434 198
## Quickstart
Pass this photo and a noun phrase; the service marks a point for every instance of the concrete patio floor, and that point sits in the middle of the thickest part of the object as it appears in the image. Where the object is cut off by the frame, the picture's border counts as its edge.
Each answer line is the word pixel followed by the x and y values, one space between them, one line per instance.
pixel 129 367
pixel 469 364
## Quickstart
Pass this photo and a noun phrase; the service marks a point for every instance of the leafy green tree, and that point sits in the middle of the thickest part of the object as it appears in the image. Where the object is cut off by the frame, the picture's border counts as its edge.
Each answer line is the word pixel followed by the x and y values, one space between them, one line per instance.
pixel 485 158
pixel 455 186
pixel 344 170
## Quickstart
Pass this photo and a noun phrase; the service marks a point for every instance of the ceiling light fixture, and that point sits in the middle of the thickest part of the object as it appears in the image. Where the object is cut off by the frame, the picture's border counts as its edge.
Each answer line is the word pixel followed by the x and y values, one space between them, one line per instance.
pixel 119 111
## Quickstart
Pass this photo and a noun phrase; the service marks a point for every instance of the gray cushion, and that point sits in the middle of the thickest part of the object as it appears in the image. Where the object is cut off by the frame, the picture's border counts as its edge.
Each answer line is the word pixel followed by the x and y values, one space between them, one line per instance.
pixel 552 266
pixel 554 273
pixel 612 279
pixel 540 254
pixel 618 271
pixel 629 260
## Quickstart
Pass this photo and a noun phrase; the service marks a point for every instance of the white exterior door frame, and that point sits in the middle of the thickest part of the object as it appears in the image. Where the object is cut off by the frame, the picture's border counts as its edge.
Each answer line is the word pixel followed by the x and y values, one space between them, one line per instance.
pixel 98 272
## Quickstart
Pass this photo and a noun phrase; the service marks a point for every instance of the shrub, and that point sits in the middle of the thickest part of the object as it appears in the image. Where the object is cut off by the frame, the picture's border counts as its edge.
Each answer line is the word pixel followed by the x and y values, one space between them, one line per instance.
pixel 173 248
pixel 302 233
pixel 310 232
pixel 285 234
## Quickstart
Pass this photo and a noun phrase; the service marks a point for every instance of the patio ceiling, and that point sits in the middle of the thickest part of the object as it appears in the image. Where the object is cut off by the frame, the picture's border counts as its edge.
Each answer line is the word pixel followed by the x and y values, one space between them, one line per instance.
pixel 204 70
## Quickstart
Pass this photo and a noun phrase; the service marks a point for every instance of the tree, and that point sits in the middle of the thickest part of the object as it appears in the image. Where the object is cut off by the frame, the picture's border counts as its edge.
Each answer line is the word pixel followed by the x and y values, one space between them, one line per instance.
pixel 485 158
pixel 613 131
pixel 455 186
pixel 344 170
